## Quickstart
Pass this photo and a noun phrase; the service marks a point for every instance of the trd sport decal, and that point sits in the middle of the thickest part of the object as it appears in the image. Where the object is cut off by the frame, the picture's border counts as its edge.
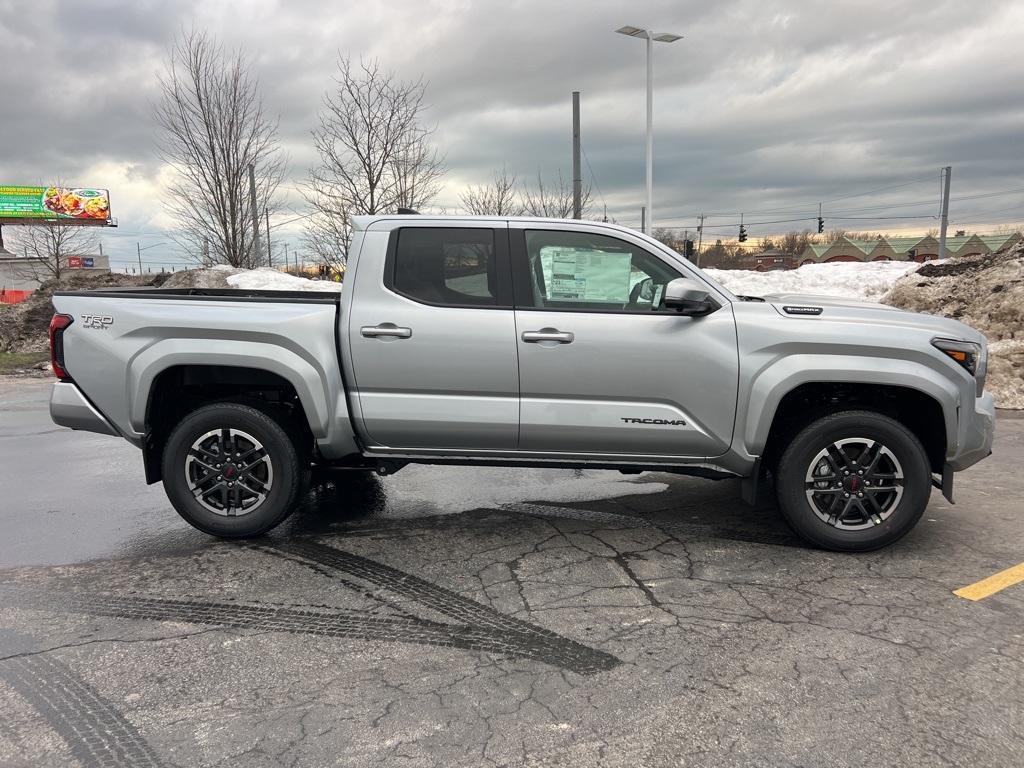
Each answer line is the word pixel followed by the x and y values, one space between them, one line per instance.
pixel 663 422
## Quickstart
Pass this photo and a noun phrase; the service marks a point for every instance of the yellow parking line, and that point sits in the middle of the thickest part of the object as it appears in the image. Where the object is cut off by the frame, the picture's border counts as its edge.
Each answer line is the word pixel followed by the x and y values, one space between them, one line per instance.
pixel 994 583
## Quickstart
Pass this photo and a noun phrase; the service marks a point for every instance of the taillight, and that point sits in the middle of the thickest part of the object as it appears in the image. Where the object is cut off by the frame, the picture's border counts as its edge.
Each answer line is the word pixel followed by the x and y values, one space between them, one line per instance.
pixel 57 326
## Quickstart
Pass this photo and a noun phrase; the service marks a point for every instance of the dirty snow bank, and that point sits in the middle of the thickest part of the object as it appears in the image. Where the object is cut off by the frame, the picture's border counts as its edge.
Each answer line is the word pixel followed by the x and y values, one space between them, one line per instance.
pixel 266 279
pixel 987 293
pixel 262 279
pixel 849 280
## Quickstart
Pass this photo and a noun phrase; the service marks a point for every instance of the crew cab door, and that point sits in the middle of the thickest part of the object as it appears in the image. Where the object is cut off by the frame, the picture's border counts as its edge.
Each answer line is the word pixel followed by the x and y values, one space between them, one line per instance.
pixel 431 336
pixel 604 367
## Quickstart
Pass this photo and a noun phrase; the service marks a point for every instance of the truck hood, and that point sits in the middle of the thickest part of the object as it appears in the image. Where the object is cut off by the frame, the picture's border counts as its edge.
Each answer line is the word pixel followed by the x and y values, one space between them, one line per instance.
pixel 813 300
pixel 854 311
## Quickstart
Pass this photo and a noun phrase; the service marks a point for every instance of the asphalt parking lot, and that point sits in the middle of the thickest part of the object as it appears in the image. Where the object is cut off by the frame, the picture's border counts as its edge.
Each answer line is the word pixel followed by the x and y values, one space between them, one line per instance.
pixel 457 617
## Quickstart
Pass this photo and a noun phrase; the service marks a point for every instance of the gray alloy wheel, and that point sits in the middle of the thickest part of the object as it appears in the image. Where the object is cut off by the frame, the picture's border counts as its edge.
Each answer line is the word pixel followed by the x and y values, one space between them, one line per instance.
pixel 229 471
pixel 854 483
pixel 233 469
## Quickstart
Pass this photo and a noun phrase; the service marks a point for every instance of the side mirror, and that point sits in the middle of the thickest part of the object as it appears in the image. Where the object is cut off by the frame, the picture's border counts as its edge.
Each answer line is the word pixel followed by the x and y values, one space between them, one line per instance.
pixel 688 297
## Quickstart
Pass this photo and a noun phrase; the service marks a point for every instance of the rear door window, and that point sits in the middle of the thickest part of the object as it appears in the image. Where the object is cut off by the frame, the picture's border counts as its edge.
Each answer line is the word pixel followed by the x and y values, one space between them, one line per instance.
pixel 450 266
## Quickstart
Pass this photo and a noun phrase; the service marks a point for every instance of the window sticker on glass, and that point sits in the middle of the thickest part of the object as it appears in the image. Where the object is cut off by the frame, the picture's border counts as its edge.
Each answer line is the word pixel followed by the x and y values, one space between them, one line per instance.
pixel 572 274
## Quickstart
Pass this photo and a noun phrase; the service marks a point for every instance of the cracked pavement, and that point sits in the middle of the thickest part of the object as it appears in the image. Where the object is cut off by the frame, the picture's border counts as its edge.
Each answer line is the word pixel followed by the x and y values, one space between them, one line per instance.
pixel 491 617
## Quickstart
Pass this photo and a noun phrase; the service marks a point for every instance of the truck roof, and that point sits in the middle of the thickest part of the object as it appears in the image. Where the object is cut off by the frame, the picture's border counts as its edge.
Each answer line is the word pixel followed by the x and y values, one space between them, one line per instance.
pixel 362 222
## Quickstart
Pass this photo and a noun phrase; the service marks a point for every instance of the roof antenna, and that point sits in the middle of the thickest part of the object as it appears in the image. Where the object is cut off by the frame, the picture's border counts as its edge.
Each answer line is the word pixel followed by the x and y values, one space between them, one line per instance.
pixel 408 212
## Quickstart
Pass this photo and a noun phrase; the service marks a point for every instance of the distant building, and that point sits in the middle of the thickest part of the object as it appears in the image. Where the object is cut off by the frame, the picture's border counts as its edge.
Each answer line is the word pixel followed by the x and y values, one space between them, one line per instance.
pixel 770 260
pixel 918 249
pixel 20 275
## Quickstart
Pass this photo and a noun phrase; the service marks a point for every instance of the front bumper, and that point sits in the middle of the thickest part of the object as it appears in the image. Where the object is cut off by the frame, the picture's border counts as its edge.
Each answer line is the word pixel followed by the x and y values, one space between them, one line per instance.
pixel 70 408
pixel 977 429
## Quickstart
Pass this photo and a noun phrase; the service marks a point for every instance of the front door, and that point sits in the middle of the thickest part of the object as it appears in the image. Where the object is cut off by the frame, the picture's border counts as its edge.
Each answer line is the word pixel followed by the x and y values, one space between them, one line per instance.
pixel 432 338
pixel 604 368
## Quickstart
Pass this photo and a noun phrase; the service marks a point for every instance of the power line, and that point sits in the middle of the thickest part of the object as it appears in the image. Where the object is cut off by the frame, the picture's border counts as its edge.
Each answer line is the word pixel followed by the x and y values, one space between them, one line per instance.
pixel 593 178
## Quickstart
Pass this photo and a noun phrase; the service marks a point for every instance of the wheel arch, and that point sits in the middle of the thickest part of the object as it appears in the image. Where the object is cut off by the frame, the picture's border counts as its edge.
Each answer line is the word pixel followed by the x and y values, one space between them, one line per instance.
pixel 915 409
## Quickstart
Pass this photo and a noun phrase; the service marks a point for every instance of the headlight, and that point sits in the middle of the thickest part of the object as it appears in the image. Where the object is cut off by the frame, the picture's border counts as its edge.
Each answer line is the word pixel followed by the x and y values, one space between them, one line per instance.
pixel 970 356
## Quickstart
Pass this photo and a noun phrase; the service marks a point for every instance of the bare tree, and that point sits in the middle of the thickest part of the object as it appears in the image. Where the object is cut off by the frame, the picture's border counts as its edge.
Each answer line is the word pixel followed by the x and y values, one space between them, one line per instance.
pixel 497 198
pixel 44 248
pixel 214 126
pixel 375 154
pixel 553 202
pixel 670 237
pixel 328 236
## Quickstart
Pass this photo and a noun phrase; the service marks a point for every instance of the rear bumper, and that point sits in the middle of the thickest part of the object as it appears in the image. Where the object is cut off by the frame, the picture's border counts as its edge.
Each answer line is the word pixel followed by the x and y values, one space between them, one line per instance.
pixel 977 429
pixel 69 408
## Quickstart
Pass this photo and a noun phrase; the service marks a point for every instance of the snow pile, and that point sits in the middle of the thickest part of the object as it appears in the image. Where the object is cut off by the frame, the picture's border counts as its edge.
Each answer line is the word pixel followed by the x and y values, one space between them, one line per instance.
pixel 849 280
pixel 987 293
pixel 266 279
pixel 262 279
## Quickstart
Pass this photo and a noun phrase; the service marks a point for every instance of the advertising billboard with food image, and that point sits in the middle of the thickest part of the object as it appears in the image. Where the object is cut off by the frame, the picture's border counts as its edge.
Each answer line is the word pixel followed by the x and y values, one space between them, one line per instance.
pixel 84 205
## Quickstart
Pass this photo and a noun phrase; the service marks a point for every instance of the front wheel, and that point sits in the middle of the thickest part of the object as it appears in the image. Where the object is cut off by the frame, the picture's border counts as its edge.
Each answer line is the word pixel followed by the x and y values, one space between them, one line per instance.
pixel 231 470
pixel 853 481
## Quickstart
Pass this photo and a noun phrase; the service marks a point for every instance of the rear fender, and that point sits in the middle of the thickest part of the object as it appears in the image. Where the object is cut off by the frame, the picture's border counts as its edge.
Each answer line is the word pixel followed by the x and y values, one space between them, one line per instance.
pixel 320 393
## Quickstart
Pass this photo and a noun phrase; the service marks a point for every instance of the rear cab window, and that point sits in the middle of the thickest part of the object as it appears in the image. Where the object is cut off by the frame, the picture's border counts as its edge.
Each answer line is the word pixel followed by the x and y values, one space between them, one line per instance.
pixel 450 266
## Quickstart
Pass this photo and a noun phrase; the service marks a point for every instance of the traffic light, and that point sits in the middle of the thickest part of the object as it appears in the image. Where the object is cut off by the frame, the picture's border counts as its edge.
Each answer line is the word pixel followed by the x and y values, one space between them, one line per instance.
pixel 821 225
pixel 688 248
pixel 743 233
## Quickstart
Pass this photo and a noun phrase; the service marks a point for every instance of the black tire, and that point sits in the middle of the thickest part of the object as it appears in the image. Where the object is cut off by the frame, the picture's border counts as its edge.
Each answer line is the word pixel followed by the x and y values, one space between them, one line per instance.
pixel 268 478
pixel 830 502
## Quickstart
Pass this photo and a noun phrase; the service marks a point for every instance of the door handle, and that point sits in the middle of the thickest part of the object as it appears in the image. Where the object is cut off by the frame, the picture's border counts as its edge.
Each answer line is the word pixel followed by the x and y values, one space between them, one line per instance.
pixel 548 334
pixel 387 330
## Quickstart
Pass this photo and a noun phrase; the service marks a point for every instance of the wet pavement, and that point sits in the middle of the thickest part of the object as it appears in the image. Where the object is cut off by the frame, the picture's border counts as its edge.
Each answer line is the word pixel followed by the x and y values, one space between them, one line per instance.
pixel 477 617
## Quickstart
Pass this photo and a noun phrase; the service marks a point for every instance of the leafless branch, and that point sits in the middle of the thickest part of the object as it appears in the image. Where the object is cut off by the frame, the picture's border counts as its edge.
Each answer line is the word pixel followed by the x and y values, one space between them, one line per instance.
pixel 375 154
pixel 554 202
pixel 498 198
pixel 214 126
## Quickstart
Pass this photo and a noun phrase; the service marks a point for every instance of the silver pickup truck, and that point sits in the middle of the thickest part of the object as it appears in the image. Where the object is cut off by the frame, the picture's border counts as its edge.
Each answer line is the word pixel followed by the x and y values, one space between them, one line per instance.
pixel 533 343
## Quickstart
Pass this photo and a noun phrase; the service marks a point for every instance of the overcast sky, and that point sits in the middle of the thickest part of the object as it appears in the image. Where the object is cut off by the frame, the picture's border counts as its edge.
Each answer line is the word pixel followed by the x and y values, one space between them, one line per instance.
pixel 764 105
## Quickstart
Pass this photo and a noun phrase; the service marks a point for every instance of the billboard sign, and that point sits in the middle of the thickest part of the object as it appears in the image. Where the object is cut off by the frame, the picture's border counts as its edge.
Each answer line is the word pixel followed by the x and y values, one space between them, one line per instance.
pixel 74 262
pixel 88 262
pixel 83 205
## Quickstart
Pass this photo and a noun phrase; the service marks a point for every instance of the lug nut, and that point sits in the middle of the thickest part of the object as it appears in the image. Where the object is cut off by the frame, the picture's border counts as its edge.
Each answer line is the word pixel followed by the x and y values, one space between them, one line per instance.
pixel 846 495
pixel 861 495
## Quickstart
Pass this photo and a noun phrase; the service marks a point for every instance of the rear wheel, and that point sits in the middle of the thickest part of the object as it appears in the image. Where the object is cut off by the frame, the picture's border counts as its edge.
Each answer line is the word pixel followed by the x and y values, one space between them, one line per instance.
pixel 232 470
pixel 853 481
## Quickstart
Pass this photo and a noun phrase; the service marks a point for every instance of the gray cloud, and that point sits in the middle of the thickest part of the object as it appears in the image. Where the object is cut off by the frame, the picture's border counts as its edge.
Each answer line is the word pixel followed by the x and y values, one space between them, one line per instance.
pixel 763 105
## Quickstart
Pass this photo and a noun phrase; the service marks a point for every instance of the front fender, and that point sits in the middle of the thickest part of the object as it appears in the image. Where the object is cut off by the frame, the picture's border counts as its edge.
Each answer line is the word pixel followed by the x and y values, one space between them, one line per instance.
pixel 772 383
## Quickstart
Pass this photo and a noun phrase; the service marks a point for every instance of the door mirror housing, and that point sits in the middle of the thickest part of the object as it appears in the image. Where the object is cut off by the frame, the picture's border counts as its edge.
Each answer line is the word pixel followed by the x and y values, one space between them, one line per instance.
pixel 688 297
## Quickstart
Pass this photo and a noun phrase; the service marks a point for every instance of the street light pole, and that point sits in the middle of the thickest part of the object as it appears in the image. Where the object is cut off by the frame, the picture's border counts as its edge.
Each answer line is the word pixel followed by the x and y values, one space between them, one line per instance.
pixel 650 138
pixel 650 38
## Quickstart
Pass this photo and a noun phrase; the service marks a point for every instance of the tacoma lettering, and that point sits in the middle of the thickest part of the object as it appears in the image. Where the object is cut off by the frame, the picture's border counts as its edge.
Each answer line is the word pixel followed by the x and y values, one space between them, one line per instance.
pixel 666 422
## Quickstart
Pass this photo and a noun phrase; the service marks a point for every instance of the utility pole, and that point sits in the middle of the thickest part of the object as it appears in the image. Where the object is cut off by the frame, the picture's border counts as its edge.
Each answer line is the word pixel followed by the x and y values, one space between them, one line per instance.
pixel 948 171
pixel 270 253
pixel 206 251
pixel 138 250
pixel 643 219
pixel 255 215
pixel 577 179
pixel 286 257
pixel 101 246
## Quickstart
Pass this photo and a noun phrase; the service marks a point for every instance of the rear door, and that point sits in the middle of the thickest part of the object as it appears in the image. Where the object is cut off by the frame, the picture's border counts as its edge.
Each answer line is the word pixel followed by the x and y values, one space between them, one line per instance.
pixel 604 368
pixel 432 337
